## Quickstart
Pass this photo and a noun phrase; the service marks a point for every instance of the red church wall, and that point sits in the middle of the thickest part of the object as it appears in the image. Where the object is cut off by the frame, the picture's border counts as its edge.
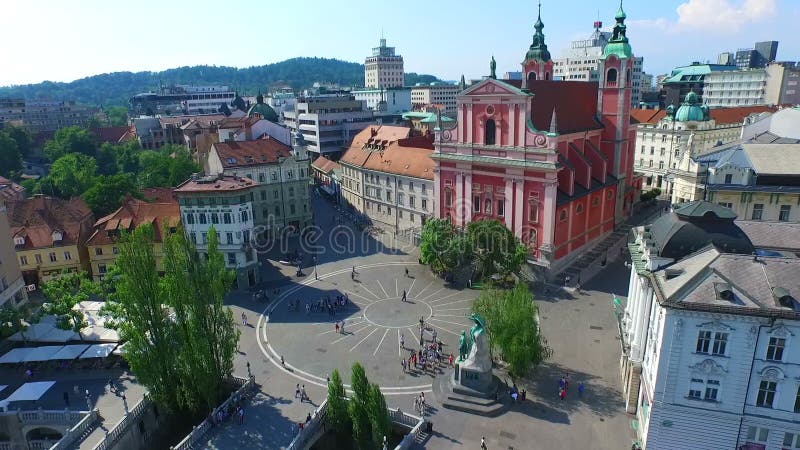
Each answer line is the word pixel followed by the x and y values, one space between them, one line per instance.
pixel 582 166
pixel 498 187
pixel 532 229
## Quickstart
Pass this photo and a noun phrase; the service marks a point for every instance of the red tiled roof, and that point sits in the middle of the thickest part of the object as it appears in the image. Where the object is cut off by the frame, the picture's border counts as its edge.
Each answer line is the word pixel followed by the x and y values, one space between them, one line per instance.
pixel 738 114
pixel 238 122
pixel 382 149
pixel 251 153
pixel 110 134
pixel 325 165
pixel 215 184
pixel 575 103
pixel 10 190
pixel 647 115
pixel 37 218
pixel 162 210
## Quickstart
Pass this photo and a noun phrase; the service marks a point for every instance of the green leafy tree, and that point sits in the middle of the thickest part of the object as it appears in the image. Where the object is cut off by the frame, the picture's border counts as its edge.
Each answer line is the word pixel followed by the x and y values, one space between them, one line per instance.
pixel 497 250
pixel 10 321
pixel 31 186
pixel 10 158
pixel 196 289
pixel 336 416
pixel 378 415
pixel 66 291
pixel 513 328
pixel 107 193
pixel 71 175
pixel 117 116
pixel 359 413
pixel 22 137
pixel 442 247
pixel 119 158
pixel 70 140
pixel 139 310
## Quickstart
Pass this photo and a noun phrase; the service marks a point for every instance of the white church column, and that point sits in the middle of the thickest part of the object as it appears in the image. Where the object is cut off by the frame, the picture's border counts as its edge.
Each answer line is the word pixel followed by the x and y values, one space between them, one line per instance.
pixel 509 202
pixel 518 209
pixel 461 201
pixel 467 196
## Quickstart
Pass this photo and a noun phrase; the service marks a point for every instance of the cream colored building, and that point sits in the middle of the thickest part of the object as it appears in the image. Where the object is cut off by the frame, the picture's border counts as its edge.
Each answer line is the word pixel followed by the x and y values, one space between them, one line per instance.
pixel 49 236
pixel 387 175
pixel 436 93
pixel 12 286
pixel 756 181
pixel 383 69
pixel 664 137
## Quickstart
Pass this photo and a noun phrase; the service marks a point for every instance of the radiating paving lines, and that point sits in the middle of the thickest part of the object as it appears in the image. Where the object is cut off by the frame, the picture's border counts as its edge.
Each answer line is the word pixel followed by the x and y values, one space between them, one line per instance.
pixel 440 299
pixel 373 294
pixel 381 286
pixel 431 295
pixel 423 290
pixel 381 342
pixel 457 301
pixel 365 338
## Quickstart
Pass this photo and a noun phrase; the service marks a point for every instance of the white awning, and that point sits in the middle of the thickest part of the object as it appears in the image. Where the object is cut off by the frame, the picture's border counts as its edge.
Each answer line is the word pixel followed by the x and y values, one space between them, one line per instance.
pixel 14 356
pixel 99 334
pixel 69 352
pixel 98 351
pixel 42 353
pixel 28 392
pixel 45 332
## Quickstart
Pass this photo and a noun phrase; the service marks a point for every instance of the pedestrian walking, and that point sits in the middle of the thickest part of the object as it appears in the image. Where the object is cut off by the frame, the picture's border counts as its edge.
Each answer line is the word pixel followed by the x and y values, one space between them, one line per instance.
pixel 66 399
pixel 404 295
pixel 483 443
pixel 562 394
pixel 406 272
pixel 244 320
pixel 402 341
pixel 297 390
pixel 303 395
pixel 566 281
pixel 241 415
pixel 450 360
pixel 580 389
pixel 403 363
pixel 341 327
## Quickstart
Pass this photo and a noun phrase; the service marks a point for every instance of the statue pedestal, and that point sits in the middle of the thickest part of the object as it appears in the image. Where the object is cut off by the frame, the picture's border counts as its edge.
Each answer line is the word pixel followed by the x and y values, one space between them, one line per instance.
pixel 471 391
pixel 477 380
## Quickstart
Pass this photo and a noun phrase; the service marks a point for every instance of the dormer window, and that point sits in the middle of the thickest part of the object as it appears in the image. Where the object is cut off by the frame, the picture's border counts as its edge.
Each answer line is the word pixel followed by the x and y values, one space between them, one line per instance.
pixel 19 240
pixel 231 160
pixel 723 291
pixel 57 236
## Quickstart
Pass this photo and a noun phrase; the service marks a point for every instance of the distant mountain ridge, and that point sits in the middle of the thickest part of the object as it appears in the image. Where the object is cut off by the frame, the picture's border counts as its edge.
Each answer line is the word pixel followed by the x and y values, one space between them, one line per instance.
pixel 116 88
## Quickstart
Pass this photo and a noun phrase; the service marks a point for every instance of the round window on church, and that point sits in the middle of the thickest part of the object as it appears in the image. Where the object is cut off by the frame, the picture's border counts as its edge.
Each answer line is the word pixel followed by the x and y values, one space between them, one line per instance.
pixel 490 110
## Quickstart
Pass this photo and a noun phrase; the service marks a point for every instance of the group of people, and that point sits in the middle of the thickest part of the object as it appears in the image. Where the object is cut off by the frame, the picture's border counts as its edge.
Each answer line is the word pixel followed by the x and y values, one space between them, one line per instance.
pixel 235 409
pixel 419 403
pixel 563 387
pixel 428 356
pixel 300 391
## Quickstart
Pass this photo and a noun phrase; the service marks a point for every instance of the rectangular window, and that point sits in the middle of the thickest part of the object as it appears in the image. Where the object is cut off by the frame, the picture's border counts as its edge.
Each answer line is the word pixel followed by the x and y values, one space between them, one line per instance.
pixel 775 349
pixel 263 195
pixel 758 211
pixel 38 258
pixel 388 195
pixel 720 343
pixel 203 238
pixel 783 216
pixel 98 251
pixel 500 207
pixel 67 256
pixel 52 257
pixel 757 434
pixel 275 193
pixel 476 204
pixel 791 441
pixel 766 393
pixel 23 260
pixel 291 208
pixel 728 178
pixel 411 202
pixel 661 165
pixel 399 213
pixel 101 269
pixel 232 258
pixel 291 191
pixel 703 342
pixel 229 237
pixel 712 390
pixel 424 204
pixel 115 250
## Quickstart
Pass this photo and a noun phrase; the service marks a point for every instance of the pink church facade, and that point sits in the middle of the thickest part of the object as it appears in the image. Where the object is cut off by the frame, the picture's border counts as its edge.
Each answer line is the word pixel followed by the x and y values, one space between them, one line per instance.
pixel 552 160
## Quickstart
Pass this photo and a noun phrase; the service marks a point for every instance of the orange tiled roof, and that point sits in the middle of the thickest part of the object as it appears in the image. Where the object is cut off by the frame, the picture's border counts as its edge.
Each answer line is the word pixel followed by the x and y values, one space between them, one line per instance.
pixel 738 114
pixel 10 190
pixel 159 208
pixel 111 134
pixel 325 165
pixel 251 153
pixel 388 149
pixel 238 122
pixel 37 218
pixel 647 115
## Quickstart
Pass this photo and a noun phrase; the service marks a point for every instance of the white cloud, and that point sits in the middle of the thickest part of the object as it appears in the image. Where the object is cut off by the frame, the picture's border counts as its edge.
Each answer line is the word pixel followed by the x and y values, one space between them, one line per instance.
pixel 723 13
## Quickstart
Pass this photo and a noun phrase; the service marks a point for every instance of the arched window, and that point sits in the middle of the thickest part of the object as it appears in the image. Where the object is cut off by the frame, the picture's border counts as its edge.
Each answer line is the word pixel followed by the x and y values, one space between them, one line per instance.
pixel 579 209
pixel 563 216
pixel 532 76
pixel 490 131
pixel 546 77
pixel 611 76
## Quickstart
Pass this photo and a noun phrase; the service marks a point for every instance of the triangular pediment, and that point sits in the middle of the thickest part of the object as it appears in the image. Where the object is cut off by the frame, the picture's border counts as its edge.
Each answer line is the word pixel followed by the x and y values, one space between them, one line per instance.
pixel 490 86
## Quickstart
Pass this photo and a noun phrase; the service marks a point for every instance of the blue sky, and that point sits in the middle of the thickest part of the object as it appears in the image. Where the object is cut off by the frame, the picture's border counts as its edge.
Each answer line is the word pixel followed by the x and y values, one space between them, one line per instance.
pixel 64 40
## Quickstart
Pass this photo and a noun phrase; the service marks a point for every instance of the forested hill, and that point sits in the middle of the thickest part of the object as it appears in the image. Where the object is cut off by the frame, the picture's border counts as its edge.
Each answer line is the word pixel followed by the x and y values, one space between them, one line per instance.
pixel 116 88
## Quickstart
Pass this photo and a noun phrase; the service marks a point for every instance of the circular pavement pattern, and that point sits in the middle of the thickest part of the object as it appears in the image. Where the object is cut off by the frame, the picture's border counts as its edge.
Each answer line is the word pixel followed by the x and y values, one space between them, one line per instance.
pixel 375 323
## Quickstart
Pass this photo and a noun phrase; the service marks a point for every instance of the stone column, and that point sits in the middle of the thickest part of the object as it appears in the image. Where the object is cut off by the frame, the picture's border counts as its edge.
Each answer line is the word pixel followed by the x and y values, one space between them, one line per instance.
pixel 467 195
pixel 460 200
pixel 512 119
pixel 509 202
pixel 438 194
pixel 549 214
pixel 470 136
pixel 518 208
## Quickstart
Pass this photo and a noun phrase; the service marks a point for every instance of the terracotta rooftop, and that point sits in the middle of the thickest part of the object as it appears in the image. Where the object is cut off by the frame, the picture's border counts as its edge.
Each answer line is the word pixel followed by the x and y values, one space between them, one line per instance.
pixel 35 219
pixel 10 190
pixel 251 153
pixel 575 104
pixel 215 184
pixel 325 165
pixel 380 149
pixel 647 115
pixel 722 116
pixel 113 134
pixel 238 122
pixel 162 210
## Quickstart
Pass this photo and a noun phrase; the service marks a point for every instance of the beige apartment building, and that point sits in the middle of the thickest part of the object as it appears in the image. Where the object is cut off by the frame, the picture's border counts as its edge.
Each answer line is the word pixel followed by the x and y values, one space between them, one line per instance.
pixel 436 93
pixel 12 286
pixel 387 175
pixel 49 236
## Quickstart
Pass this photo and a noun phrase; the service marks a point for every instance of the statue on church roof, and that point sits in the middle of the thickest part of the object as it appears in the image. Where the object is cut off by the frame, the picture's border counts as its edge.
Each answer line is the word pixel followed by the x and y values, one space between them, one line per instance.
pixel 493 68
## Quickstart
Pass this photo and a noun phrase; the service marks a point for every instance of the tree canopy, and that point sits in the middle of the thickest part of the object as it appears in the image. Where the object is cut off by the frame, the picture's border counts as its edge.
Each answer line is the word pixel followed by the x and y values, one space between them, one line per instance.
pixel 117 116
pixel 442 246
pixel 10 157
pixel 181 338
pixel 70 140
pixel 513 327
pixel 495 247
pixel 66 291
pixel 107 192
pixel 72 174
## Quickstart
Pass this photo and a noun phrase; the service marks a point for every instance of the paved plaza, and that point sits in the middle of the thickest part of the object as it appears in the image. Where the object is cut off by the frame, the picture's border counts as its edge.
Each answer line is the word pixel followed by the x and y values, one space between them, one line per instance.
pixel 580 328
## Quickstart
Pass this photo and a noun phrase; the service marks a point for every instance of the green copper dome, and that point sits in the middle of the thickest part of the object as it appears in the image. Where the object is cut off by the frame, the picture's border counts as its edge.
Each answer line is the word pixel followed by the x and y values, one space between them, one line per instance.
pixel 618 44
pixel 690 110
pixel 538 49
pixel 264 109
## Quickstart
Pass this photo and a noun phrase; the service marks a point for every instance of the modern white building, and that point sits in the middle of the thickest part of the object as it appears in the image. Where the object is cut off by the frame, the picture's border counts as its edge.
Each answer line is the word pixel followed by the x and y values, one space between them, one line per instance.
pixel 735 88
pixel 328 122
pixel 783 124
pixel 436 93
pixel 387 175
pixel 181 99
pixel 709 357
pixel 225 203
pixel 42 115
pixel 390 100
pixel 383 69
pixel 581 61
